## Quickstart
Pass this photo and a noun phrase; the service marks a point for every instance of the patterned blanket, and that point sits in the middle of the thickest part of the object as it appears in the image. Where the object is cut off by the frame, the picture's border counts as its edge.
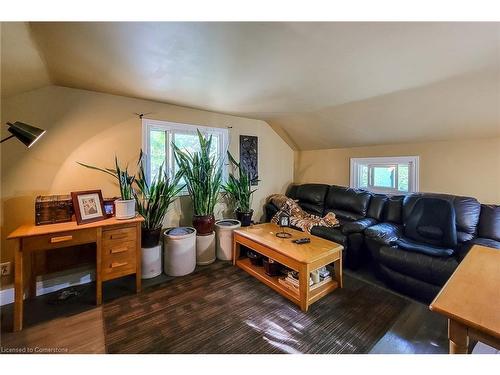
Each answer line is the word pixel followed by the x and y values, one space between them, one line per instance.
pixel 298 217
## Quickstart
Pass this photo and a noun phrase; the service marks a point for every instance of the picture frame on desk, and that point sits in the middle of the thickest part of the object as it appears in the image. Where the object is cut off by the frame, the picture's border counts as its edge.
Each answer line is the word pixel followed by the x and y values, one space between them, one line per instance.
pixel 88 206
pixel 109 206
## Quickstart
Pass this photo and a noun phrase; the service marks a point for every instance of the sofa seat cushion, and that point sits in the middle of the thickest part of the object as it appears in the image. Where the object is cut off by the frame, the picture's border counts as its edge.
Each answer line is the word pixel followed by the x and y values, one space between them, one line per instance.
pixel 488 242
pixel 433 270
pixel 423 248
pixel 357 226
pixel 384 233
pixel 330 234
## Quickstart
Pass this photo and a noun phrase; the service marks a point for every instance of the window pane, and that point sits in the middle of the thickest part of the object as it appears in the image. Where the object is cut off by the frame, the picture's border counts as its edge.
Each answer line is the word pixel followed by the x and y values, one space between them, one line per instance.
pixel 190 143
pixel 403 170
pixel 157 150
pixel 363 176
pixel 383 176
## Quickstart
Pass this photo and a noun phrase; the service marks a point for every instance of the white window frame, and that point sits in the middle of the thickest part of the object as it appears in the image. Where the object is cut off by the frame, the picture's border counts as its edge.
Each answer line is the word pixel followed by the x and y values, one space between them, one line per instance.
pixel 170 128
pixel 413 172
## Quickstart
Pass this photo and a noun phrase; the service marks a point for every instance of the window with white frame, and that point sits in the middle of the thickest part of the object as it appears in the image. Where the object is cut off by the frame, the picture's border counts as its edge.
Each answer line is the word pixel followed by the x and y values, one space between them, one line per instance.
pixel 158 136
pixel 389 175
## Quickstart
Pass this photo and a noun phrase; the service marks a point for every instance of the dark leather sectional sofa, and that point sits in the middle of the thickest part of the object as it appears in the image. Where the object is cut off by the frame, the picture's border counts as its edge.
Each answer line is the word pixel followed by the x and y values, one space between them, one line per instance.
pixel 415 241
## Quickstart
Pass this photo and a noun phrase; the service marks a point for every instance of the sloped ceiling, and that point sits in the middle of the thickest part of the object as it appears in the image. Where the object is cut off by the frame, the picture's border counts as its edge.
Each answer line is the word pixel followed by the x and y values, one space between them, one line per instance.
pixel 320 85
pixel 22 67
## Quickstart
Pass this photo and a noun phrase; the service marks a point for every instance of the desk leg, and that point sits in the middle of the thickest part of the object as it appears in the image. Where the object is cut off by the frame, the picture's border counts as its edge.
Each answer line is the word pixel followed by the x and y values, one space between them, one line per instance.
pixel 459 338
pixel 138 260
pixel 98 267
pixel 18 286
pixel 32 279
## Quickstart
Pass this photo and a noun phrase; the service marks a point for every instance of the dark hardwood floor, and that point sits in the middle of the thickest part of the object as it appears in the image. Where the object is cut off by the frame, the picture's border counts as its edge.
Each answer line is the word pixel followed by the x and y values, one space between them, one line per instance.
pixel 79 326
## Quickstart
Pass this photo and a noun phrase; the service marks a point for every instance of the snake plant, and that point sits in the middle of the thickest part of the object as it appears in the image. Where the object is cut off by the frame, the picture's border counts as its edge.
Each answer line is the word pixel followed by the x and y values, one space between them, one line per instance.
pixel 153 199
pixel 125 180
pixel 238 188
pixel 202 173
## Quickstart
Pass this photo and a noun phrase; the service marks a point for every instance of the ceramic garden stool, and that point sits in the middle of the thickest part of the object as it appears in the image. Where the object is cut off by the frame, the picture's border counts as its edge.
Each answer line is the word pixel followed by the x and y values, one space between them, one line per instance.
pixel 224 237
pixel 179 251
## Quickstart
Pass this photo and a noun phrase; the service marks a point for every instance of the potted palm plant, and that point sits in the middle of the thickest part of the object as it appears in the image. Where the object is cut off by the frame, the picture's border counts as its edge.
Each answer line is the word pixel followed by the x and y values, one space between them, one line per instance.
pixel 202 173
pixel 124 207
pixel 153 200
pixel 239 191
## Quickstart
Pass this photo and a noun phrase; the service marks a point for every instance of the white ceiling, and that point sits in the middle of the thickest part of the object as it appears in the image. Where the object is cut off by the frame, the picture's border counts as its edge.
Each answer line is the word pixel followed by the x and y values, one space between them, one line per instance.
pixel 320 85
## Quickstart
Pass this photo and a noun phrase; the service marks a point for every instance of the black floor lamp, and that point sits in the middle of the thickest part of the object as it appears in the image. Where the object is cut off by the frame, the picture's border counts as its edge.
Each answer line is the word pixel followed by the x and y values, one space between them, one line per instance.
pixel 25 133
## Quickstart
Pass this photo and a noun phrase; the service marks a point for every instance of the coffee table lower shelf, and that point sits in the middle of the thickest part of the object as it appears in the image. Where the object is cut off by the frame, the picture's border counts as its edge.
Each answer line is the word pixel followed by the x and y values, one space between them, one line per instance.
pixel 273 282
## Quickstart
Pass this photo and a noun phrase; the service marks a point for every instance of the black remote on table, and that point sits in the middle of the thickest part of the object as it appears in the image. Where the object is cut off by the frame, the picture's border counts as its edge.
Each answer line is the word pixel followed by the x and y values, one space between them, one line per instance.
pixel 301 241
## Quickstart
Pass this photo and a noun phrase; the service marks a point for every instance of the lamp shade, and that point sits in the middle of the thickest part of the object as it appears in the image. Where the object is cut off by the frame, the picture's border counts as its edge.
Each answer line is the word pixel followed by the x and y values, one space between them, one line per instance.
pixel 25 133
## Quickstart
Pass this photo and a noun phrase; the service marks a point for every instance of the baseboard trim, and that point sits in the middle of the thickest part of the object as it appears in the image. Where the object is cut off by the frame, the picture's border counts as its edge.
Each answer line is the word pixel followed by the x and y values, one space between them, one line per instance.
pixel 53 283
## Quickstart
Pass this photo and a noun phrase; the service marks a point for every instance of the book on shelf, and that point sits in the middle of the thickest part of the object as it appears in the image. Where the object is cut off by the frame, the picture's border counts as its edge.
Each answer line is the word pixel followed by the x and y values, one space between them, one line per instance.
pixel 289 284
pixel 322 282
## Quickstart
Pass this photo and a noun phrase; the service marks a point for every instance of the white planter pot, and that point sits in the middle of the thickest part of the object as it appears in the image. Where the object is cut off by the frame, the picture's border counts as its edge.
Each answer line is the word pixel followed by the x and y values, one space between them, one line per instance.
pixel 205 249
pixel 179 251
pixel 224 237
pixel 151 262
pixel 124 209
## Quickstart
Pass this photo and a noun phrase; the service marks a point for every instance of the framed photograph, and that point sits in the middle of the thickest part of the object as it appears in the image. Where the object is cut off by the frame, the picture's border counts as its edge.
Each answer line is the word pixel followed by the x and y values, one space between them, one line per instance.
pixel 109 206
pixel 284 221
pixel 88 206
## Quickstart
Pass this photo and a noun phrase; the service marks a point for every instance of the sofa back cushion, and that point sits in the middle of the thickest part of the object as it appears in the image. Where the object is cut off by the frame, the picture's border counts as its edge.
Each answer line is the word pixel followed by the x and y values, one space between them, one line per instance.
pixel 311 197
pixel 347 203
pixel 489 222
pixel 393 209
pixel 432 221
pixel 467 211
pixel 376 206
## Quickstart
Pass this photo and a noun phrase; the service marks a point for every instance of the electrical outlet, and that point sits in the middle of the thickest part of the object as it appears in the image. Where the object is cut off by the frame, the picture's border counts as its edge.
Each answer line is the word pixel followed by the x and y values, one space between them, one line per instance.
pixel 5 268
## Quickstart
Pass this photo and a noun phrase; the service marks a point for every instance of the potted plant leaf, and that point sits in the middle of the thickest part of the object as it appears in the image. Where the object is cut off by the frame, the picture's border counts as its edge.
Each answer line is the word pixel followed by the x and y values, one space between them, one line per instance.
pixel 124 207
pixel 153 200
pixel 202 173
pixel 239 191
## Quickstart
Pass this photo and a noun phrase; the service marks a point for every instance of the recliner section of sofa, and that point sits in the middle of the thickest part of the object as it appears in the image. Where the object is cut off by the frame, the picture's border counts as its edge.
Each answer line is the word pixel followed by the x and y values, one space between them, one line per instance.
pixel 429 256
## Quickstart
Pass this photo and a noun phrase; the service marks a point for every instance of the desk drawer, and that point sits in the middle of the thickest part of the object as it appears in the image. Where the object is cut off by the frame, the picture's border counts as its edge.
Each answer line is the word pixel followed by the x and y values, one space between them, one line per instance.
pixel 61 239
pixel 117 266
pixel 118 249
pixel 119 234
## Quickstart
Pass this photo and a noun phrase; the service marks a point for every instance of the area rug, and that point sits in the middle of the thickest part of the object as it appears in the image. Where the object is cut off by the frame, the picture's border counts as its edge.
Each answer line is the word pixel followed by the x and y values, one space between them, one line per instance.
pixel 222 309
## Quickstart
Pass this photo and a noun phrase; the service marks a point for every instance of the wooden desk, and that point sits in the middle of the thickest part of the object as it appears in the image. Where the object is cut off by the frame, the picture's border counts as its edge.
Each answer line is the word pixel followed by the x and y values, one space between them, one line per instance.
pixel 118 251
pixel 471 300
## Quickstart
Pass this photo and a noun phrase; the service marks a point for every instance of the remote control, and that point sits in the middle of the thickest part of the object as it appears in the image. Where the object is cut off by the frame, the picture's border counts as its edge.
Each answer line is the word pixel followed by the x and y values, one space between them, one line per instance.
pixel 301 241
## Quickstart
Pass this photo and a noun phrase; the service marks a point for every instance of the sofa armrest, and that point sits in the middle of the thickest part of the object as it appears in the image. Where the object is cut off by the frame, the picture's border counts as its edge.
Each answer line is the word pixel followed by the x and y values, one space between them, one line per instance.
pixel 384 233
pixel 270 210
pixel 358 226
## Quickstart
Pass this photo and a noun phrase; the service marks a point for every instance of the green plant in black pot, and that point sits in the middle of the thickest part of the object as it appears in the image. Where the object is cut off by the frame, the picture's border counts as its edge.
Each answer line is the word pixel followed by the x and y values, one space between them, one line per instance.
pixel 239 191
pixel 124 207
pixel 202 173
pixel 153 200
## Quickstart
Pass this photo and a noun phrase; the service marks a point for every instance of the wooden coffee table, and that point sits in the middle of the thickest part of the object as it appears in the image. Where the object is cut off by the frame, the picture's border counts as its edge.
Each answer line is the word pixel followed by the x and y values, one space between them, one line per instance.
pixel 303 258
pixel 471 300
